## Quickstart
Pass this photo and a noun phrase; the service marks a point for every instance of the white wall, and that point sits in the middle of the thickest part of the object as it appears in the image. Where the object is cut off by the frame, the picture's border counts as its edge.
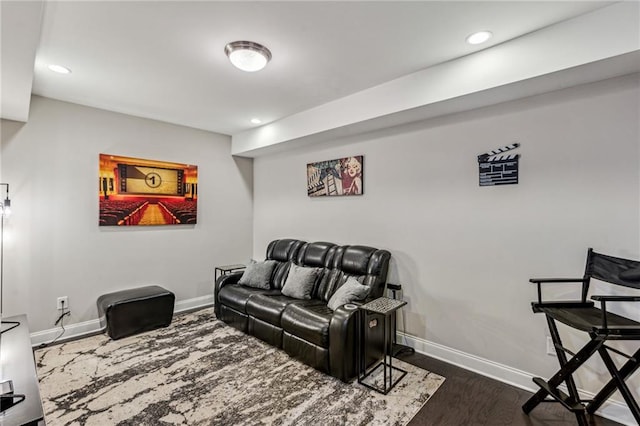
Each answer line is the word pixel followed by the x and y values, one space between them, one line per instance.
pixel 464 253
pixel 54 245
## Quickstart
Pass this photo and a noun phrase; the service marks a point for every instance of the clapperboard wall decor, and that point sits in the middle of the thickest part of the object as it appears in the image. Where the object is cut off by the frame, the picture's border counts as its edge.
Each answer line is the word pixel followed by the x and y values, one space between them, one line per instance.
pixel 498 169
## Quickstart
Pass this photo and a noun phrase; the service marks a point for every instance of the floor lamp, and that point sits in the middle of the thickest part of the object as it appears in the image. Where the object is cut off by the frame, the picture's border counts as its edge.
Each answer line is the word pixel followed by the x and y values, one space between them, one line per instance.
pixel 5 211
pixel 7 398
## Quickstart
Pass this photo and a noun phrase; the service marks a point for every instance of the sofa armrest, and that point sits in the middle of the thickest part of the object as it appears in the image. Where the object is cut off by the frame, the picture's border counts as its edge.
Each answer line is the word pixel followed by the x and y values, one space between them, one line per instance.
pixel 343 342
pixel 223 280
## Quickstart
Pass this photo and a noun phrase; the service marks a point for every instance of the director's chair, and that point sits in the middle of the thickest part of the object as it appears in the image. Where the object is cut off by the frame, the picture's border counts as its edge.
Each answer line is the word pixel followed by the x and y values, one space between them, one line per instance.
pixel 600 325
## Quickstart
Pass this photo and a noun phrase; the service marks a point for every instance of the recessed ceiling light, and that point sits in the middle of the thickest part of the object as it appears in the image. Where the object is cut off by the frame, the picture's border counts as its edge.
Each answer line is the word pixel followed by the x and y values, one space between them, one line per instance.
pixel 247 55
pixel 256 121
pixel 59 69
pixel 479 37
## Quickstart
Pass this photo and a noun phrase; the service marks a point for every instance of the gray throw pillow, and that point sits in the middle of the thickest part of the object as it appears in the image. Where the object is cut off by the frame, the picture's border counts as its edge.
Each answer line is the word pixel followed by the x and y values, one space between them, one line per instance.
pixel 350 291
pixel 300 281
pixel 258 274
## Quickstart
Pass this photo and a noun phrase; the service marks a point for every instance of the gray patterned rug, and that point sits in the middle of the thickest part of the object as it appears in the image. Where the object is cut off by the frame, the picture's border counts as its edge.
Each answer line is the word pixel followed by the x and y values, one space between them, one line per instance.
pixel 199 371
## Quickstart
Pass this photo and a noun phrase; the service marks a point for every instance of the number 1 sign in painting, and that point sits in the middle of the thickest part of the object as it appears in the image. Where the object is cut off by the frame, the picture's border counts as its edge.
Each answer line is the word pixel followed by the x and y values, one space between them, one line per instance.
pixel 134 191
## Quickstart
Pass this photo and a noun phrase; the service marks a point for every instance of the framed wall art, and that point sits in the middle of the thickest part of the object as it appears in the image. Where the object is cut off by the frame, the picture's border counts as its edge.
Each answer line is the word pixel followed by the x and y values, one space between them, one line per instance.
pixel 135 191
pixel 495 169
pixel 342 176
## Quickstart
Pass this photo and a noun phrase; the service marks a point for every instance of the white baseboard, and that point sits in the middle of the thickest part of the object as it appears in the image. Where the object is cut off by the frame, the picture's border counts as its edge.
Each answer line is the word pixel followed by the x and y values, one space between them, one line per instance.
pixel 611 409
pixel 81 329
pixel 71 331
pixel 195 303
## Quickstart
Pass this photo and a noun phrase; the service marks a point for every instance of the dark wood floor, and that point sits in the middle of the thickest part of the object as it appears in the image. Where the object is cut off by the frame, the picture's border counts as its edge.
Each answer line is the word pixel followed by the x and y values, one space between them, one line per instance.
pixel 467 398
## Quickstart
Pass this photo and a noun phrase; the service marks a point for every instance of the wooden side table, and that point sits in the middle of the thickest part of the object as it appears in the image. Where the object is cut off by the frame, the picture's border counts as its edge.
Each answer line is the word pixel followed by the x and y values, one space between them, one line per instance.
pixel 387 308
pixel 227 269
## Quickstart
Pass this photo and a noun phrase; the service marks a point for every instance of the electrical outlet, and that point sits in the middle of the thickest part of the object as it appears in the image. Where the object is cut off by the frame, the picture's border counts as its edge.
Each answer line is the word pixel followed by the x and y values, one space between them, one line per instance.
pixel 551 349
pixel 62 303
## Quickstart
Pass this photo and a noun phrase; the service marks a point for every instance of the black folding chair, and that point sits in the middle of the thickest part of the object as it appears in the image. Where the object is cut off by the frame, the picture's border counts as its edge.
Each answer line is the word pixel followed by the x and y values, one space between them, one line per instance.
pixel 601 326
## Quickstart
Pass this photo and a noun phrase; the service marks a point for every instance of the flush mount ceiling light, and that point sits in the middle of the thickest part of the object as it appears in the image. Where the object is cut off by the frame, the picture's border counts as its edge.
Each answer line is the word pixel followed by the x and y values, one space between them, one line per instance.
pixel 247 55
pixel 479 37
pixel 59 69
pixel 256 121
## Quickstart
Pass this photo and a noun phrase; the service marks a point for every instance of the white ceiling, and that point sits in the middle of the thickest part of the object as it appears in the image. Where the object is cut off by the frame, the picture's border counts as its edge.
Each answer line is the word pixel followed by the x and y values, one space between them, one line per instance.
pixel 165 60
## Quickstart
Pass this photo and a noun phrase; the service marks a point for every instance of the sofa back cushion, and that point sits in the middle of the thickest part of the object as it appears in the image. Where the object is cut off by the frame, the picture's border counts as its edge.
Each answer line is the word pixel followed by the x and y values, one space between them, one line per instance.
pixel 283 251
pixel 320 255
pixel 368 265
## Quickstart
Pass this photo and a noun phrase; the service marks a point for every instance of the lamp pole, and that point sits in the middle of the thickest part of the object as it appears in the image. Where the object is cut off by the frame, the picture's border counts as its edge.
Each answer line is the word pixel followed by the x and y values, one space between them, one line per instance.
pixel 7 397
pixel 5 210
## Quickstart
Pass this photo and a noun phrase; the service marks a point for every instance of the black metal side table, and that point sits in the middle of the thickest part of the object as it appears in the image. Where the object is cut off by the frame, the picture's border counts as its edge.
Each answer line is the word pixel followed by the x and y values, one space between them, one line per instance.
pixel 227 269
pixel 387 308
pixel 397 347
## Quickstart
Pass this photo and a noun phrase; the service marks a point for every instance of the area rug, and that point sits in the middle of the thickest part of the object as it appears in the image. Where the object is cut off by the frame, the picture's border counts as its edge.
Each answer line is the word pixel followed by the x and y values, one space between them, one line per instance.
pixel 200 371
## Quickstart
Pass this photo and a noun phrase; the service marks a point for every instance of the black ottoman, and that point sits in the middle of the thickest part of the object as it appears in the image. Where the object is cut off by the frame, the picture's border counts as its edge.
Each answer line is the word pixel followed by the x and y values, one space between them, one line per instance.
pixel 128 312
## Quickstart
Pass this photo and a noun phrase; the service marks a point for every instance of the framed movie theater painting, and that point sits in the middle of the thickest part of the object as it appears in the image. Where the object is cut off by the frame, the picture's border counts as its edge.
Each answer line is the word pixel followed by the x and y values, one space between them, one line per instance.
pixel 134 191
pixel 342 176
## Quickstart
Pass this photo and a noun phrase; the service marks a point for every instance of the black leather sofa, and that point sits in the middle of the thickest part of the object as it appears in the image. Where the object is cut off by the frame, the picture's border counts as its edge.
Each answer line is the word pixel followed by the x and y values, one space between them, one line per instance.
pixel 309 330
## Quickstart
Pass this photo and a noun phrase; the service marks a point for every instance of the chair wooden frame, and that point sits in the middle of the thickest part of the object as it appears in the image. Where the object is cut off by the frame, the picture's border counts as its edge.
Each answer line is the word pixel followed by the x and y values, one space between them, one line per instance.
pixel 601 325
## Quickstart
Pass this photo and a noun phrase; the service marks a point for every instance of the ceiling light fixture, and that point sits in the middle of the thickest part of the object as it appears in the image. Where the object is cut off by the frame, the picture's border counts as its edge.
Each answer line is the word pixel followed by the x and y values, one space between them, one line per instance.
pixel 256 121
pixel 247 55
pixel 479 37
pixel 59 69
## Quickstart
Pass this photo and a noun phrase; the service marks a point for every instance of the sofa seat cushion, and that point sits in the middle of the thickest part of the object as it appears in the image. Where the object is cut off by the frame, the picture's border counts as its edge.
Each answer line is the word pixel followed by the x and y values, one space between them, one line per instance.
pixel 269 307
pixel 308 321
pixel 236 296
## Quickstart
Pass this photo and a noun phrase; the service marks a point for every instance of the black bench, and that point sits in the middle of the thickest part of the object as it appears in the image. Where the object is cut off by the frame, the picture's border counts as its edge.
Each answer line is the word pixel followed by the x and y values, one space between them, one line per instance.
pixel 128 312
